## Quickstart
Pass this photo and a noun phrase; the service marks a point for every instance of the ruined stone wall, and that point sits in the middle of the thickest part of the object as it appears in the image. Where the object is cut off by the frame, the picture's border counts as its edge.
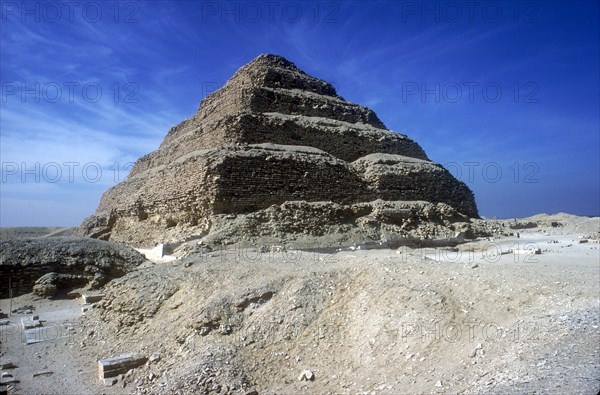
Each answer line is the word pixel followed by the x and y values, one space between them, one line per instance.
pixel 289 79
pixel 22 280
pixel 401 178
pixel 190 138
pixel 296 102
pixel 159 201
pixel 253 179
pixel 343 140
pixel 233 179
pixel 165 202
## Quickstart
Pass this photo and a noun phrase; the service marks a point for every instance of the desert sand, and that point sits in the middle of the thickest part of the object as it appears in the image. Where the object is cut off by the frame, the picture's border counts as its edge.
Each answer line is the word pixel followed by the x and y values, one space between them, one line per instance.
pixel 488 316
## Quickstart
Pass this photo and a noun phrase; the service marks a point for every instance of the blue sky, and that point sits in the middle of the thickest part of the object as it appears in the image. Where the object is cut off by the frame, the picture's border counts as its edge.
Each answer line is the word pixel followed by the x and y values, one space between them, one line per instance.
pixel 505 94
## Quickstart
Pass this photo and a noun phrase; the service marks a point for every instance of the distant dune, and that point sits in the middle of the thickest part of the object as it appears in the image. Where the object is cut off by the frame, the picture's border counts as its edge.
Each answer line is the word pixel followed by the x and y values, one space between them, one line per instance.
pixel 34 232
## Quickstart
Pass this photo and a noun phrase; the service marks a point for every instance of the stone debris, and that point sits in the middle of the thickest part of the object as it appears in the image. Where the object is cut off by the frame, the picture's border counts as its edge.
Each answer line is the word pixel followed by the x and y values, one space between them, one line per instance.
pixel 27 309
pixel 30 323
pixel 7 378
pixel 44 373
pixel 155 357
pixel 527 251
pixel 10 380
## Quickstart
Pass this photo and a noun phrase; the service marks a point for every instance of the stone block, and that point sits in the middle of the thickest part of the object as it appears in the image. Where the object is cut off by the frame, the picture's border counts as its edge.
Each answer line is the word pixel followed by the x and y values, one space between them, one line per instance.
pixel 112 367
pixel 92 298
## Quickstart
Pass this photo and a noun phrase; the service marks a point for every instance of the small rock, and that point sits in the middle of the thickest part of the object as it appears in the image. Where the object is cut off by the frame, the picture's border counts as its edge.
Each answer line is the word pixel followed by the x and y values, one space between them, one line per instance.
pixel 110 382
pixel 306 375
pixel 155 357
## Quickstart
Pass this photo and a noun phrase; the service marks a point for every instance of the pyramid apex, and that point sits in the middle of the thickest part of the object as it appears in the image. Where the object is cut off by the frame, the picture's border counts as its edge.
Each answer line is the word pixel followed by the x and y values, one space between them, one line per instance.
pixel 272 60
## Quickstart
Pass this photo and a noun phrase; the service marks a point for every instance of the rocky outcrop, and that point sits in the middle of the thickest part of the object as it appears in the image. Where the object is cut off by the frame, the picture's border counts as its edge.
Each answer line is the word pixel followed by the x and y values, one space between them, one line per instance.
pixel 60 263
pixel 272 134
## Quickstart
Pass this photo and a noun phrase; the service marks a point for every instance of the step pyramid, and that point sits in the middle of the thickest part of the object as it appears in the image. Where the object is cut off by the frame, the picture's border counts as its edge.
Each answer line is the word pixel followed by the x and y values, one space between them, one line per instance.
pixel 271 147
